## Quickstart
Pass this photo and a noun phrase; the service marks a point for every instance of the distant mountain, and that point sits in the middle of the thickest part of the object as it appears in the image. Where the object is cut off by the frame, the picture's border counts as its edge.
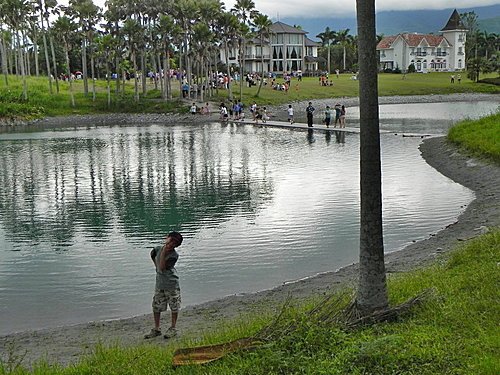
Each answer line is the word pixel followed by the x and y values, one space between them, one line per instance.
pixel 491 25
pixel 394 22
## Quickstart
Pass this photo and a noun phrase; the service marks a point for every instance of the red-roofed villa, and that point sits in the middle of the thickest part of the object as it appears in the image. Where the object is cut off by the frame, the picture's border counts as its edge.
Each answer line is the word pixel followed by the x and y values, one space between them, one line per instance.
pixel 427 52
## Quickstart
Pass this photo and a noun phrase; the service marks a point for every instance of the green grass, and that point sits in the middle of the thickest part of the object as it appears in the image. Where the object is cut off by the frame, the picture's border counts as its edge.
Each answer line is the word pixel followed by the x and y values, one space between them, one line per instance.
pixel 454 332
pixel 478 137
pixel 41 103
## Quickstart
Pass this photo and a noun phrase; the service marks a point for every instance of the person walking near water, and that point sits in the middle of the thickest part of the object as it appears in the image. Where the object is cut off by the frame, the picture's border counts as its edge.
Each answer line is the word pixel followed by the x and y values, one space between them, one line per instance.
pixel 290 113
pixel 167 290
pixel 310 113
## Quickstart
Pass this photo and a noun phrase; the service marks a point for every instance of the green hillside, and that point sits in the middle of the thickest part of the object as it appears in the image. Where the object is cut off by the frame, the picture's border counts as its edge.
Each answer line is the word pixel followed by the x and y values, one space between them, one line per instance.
pixel 491 25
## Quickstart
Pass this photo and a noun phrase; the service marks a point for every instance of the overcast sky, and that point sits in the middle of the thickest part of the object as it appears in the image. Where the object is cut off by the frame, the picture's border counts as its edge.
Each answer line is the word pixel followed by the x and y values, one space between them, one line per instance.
pixel 340 8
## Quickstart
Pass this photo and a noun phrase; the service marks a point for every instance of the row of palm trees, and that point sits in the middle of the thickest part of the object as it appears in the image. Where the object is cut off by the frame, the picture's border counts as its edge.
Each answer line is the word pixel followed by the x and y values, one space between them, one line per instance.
pixel 127 36
pixel 342 38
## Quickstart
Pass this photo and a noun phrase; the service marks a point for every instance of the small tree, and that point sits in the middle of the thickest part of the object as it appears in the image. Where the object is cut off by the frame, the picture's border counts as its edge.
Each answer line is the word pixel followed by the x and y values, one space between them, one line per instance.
pixel 411 68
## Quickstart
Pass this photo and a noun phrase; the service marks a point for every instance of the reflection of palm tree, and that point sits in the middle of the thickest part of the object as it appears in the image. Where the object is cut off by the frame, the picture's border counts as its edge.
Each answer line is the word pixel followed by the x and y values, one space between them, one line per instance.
pixel 147 189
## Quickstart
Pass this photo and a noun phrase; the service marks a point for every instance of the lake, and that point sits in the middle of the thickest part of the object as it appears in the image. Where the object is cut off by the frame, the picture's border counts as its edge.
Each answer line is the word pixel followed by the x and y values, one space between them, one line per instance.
pixel 80 209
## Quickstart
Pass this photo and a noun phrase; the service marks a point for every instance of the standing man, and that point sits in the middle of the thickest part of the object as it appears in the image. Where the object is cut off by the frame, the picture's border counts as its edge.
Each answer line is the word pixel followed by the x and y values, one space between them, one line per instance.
pixel 337 108
pixel 167 290
pixel 310 112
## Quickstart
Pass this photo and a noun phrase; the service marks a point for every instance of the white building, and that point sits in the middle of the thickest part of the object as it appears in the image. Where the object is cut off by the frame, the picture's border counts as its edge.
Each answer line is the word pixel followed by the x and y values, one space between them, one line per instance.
pixel 287 50
pixel 427 52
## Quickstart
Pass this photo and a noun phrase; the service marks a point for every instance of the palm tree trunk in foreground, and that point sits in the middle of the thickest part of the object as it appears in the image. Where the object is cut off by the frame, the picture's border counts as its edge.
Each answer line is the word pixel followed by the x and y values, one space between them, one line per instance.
pixel 372 289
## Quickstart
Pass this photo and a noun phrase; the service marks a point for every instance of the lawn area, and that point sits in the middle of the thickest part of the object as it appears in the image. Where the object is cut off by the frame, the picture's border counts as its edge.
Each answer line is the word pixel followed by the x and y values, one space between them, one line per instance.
pixel 480 138
pixel 41 103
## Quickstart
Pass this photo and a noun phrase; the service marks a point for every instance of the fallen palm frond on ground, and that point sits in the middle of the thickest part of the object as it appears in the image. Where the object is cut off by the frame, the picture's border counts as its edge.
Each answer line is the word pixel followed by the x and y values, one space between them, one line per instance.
pixel 334 309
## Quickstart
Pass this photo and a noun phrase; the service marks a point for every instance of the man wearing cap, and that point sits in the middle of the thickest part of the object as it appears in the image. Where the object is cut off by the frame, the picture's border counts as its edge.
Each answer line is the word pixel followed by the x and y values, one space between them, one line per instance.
pixel 310 113
pixel 167 290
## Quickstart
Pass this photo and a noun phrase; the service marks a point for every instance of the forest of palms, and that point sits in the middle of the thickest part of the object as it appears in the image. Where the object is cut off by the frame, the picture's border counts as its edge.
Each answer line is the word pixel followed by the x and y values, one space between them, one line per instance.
pixel 129 40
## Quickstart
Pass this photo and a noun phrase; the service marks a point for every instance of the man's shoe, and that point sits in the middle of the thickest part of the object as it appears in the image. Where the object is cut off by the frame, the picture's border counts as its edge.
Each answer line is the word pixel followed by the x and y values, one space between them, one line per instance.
pixel 171 332
pixel 154 333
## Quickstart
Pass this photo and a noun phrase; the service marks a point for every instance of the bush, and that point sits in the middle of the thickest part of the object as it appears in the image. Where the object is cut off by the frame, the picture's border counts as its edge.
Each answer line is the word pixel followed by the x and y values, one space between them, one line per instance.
pixel 411 68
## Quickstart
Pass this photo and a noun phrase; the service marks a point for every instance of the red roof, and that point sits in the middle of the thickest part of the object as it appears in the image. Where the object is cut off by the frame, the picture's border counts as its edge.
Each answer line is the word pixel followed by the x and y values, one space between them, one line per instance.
pixel 412 40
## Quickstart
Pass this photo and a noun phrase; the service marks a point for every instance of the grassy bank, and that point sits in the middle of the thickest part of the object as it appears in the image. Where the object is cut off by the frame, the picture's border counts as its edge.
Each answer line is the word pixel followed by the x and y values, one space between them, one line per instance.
pixel 41 103
pixel 455 332
pixel 479 137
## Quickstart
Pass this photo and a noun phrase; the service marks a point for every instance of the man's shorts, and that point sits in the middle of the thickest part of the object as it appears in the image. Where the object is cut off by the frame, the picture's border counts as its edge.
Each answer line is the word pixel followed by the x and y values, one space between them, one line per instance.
pixel 164 298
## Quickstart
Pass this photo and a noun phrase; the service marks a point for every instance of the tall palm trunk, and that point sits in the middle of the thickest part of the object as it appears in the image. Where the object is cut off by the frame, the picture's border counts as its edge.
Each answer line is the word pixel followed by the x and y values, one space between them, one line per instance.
pixel 92 73
pixel 68 72
pixel 108 81
pixel 329 57
pixel 20 53
pixel 37 65
pixel 230 93
pixel 242 67
pixel 3 52
pixel 143 74
pixel 54 62
pixel 84 66
pixel 261 65
pixel 136 81
pixel 372 290
pixel 344 57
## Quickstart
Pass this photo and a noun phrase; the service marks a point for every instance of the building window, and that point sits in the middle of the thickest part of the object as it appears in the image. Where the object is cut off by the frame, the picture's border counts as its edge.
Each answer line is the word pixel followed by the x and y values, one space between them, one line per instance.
pixel 459 63
pixel 295 39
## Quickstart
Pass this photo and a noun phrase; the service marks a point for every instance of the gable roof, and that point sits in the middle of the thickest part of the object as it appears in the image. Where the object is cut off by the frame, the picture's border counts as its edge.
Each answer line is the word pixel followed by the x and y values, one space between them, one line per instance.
pixel 412 40
pixel 386 42
pixel 282 28
pixel 454 23
pixel 311 43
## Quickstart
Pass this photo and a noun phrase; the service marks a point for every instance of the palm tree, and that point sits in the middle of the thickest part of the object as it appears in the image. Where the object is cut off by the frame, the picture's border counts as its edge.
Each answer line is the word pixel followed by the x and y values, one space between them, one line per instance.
pixel 51 7
pixel 228 26
pixel 86 13
pixel 263 24
pixel 105 48
pixel 132 31
pixel 343 38
pixel 40 8
pixel 186 15
pixel 64 28
pixel 372 290
pixel 4 41
pixel 327 37
pixel 246 12
pixel 15 14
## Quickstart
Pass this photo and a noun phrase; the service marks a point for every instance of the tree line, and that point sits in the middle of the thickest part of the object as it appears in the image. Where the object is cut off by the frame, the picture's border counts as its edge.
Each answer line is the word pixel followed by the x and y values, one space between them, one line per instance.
pixel 127 39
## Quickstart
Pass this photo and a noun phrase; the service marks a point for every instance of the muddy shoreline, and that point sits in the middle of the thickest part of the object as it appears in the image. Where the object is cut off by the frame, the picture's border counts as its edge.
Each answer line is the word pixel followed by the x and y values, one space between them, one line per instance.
pixel 66 344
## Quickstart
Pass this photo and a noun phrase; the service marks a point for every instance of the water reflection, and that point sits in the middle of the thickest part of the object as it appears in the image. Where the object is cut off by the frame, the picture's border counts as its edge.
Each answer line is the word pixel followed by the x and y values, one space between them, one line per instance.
pixel 52 189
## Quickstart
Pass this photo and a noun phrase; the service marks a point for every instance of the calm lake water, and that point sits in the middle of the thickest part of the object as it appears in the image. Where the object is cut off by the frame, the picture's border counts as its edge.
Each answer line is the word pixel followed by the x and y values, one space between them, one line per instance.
pixel 80 209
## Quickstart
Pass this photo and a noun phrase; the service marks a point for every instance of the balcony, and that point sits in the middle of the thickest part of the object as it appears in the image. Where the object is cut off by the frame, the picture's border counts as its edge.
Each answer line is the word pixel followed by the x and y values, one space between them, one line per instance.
pixel 257 56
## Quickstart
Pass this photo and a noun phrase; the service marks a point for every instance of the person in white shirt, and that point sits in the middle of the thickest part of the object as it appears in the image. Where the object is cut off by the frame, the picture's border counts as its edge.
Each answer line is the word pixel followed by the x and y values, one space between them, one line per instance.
pixel 290 114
